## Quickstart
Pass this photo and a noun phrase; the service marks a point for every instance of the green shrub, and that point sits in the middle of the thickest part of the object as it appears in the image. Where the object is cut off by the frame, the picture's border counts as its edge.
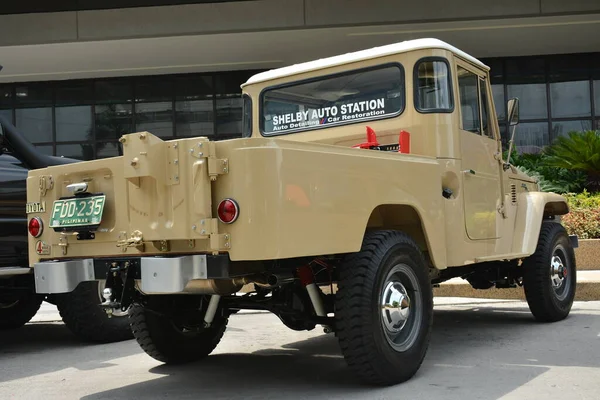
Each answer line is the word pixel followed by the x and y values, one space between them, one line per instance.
pixel 583 200
pixel 583 219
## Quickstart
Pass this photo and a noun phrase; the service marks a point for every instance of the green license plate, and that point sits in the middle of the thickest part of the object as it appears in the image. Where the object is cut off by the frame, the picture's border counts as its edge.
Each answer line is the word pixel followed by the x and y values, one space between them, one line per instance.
pixel 77 211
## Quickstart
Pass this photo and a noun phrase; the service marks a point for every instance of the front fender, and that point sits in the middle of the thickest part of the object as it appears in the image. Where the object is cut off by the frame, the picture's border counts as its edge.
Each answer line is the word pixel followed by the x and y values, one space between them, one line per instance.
pixel 532 208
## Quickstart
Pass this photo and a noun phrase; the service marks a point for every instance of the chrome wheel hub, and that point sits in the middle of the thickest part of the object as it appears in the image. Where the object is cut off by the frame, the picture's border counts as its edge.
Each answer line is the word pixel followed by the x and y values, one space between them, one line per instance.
pixel 401 307
pixel 395 307
pixel 558 272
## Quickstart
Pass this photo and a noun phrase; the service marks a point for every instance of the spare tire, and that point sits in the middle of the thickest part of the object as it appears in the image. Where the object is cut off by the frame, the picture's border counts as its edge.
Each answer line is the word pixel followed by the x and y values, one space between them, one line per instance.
pixel 81 312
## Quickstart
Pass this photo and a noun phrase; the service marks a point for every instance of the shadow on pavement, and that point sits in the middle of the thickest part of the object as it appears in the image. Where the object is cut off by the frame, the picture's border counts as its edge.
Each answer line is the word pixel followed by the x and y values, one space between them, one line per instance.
pixel 43 347
pixel 474 353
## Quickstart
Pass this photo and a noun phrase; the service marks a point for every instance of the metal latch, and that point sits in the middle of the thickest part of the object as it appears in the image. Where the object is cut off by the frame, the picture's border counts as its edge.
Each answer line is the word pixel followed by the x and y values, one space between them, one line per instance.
pixel 63 244
pixel 216 166
pixel 135 240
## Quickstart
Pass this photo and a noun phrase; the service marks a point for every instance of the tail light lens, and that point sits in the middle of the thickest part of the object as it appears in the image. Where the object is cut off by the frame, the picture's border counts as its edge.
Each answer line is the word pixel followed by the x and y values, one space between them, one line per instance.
pixel 35 227
pixel 228 211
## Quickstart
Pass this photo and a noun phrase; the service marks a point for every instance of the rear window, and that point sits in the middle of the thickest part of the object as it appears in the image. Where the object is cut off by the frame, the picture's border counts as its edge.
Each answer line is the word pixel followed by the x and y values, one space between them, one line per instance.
pixel 351 97
pixel 433 86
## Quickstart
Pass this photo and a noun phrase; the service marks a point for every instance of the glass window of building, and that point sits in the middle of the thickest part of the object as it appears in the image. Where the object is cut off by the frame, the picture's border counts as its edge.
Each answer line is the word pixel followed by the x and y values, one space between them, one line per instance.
pixel 78 151
pixel 73 112
pixel 113 91
pixel 108 149
pixel 531 137
pixel 33 103
pixel 194 106
pixel 499 101
pixel 532 100
pixel 562 128
pixel 228 103
pixel 46 149
pixel 113 113
pixel 156 118
pixel 6 102
pixel 570 99
pixel 433 86
pixel 596 84
pixel 154 106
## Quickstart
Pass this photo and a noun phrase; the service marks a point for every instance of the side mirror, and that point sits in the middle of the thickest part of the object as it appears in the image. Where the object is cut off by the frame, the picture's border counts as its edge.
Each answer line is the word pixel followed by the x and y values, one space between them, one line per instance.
pixel 512 108
pixel 513 111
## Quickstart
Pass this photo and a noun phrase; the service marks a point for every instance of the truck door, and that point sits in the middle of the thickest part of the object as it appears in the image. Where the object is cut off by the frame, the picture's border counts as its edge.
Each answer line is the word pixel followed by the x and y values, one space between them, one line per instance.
pixel 480 170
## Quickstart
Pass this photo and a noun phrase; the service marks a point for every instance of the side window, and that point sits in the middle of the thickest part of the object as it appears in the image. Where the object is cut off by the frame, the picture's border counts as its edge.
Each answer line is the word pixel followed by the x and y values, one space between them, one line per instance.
pixel 486 127
pixel 469 100
pixel 247 116
pixel 433 86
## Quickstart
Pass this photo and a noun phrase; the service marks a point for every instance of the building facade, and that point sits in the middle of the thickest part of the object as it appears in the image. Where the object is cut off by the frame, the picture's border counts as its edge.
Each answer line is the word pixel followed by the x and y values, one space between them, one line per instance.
pixel 77 74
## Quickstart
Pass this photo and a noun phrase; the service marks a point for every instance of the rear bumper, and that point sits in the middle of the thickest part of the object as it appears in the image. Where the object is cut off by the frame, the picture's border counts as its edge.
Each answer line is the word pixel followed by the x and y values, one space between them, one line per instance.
pixel 156 274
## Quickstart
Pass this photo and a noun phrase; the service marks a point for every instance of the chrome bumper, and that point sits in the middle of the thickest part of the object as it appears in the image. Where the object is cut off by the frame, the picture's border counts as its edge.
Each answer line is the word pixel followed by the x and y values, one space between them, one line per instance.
pixel 62 276
pixel 155 274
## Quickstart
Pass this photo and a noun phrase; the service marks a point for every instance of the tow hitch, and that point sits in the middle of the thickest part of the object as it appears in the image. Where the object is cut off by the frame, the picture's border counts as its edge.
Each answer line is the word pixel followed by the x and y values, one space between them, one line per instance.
pixel 119 290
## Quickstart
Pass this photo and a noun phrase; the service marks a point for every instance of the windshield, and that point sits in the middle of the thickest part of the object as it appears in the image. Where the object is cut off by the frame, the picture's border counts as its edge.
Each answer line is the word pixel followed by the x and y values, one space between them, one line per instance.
pixel 350 97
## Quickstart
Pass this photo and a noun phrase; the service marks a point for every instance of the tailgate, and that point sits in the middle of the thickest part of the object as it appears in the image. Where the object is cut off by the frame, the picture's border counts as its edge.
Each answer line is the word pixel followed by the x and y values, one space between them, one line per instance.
pixel 156 191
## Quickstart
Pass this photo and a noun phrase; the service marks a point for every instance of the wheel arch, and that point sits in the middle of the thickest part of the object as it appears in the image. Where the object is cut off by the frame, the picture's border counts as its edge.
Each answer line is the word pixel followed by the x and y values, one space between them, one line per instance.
pixel 408 219
pixel 532 209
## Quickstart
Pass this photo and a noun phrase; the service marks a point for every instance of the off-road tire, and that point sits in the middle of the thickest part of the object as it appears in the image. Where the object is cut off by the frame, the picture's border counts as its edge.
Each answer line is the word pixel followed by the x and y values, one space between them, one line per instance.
pixel 81 312
pixel 544 302
pixel 17 314
pixel 358 311
pixel 163 341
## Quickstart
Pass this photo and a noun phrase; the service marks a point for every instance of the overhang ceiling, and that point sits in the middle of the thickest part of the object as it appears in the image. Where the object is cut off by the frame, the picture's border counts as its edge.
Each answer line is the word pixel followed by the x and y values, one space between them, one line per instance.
pixel 258 50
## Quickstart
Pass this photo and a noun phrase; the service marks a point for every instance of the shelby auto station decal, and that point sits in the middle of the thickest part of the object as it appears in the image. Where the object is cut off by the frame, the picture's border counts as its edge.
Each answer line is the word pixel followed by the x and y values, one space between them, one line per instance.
pixel 326 115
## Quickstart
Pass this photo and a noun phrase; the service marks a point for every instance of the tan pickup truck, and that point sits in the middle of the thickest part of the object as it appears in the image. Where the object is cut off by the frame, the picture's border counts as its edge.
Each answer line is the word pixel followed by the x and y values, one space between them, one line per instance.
pixel 360 181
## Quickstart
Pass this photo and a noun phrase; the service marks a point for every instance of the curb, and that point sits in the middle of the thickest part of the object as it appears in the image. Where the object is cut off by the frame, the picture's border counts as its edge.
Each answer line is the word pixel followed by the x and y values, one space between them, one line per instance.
pixel 587 289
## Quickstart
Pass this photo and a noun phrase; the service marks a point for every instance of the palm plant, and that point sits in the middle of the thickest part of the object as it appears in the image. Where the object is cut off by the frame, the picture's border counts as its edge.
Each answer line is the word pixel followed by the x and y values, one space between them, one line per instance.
pixel 578 151
pixel 550 179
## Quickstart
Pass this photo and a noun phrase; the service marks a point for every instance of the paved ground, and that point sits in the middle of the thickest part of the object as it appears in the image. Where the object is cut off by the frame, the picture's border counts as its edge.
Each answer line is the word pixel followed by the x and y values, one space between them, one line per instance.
pixel 479 350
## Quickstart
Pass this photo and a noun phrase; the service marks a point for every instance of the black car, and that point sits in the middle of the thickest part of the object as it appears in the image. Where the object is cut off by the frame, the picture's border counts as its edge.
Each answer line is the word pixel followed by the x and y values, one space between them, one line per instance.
pixel 19 301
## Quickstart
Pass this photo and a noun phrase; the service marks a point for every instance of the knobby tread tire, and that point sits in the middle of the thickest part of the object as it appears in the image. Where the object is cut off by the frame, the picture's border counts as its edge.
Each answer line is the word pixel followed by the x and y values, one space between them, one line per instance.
pixel 158 337
pixel 81 312
pixel 542 301
pixel 372 360
pixel 21 313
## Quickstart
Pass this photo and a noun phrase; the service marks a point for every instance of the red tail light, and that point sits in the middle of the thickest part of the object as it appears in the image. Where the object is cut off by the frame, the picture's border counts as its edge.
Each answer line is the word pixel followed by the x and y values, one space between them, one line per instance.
pixel 228 211
pixel 35 227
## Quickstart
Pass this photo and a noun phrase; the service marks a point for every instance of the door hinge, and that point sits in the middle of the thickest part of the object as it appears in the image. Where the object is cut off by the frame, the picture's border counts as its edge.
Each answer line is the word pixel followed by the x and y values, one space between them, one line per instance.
pixel 502 211
pixel 46 184
pixel 207 149
pixel 209 228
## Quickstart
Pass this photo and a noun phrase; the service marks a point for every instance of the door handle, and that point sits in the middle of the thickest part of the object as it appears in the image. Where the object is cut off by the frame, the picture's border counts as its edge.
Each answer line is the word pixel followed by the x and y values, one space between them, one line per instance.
pixel 469 171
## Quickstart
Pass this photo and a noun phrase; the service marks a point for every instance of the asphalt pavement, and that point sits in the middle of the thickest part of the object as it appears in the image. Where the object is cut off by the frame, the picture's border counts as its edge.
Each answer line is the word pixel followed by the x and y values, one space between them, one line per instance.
pixel 480 349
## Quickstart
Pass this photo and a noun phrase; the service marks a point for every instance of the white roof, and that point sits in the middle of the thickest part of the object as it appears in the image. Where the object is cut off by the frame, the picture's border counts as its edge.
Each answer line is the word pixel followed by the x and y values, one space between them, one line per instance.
pixel 359 56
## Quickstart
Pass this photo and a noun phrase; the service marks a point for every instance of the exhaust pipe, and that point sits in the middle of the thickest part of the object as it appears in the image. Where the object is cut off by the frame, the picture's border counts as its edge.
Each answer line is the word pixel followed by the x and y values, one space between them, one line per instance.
pixel 280 279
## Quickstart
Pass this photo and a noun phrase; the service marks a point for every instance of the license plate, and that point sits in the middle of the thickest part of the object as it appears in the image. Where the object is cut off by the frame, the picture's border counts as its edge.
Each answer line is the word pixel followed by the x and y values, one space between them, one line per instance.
pixel 77 211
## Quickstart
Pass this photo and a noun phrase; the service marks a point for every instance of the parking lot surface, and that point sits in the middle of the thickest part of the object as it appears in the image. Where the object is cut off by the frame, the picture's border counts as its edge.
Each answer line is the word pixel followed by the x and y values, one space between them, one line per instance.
pixel 480 349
